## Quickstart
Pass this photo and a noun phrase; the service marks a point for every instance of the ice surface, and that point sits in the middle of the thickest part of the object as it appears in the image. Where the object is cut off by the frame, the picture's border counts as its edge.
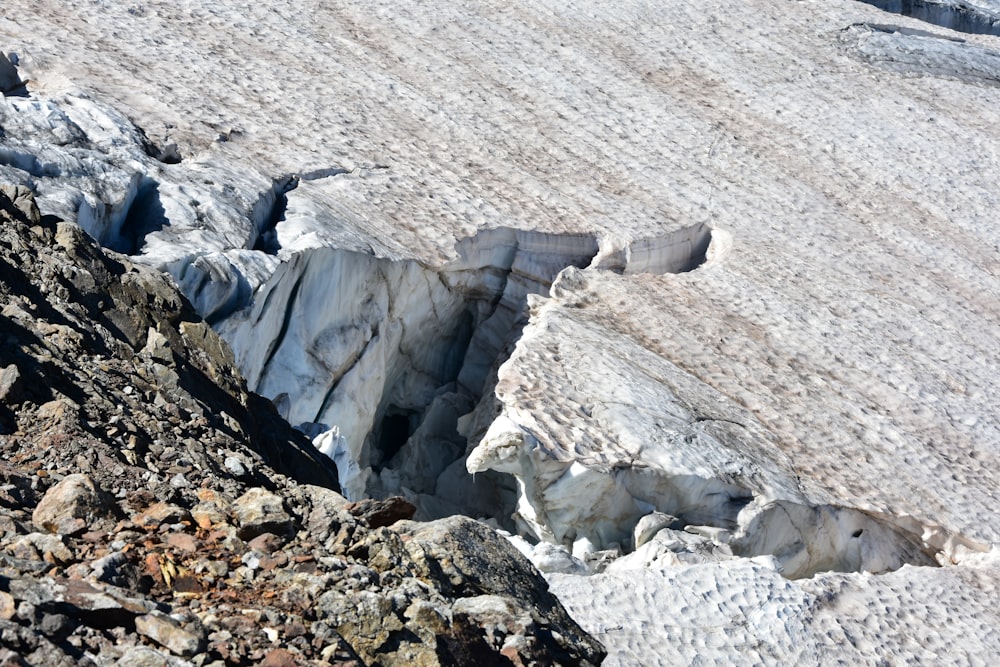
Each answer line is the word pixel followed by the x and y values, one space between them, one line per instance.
pixel 745 613
pixel 830 368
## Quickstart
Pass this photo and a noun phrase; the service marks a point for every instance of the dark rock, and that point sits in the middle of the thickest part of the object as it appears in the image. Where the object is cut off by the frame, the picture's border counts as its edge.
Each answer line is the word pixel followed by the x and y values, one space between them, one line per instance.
pixel 91 604
pixel 326 512
pixel 56 626
pixel 381 513
pixel 465 645
pixel 17 201
pixel 471 560
pixel 267 543
pixel 116 569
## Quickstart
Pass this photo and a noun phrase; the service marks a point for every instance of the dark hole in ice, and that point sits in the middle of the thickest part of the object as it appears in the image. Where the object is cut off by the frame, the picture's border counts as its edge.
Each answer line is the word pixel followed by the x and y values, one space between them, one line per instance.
pixel 318 174
pixel 169 154
pixel 438 363
pixel 145 216
pixel 11 84
pixel 267 237
pixel 395 429
pixel 699 252
pixel 464 329
pixel 957 16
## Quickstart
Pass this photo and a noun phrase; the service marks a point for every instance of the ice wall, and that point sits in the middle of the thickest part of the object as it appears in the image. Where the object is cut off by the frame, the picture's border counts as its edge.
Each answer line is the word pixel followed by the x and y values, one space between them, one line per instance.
pixel 981 17
pixel 379 358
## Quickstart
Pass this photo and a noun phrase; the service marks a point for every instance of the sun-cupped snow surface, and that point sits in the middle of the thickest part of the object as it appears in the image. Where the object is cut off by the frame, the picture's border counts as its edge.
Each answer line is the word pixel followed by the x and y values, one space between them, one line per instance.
pixel 368 193
pixel 745 613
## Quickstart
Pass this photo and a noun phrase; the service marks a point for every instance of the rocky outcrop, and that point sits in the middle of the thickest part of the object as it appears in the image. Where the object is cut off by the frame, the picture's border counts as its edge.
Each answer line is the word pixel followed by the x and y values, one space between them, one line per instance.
pixel 109 351
pixel 154 511
pixel 524 617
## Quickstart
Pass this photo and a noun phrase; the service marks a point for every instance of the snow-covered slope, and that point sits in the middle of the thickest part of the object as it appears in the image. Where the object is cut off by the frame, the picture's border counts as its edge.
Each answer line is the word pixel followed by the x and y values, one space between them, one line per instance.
pixel 771 230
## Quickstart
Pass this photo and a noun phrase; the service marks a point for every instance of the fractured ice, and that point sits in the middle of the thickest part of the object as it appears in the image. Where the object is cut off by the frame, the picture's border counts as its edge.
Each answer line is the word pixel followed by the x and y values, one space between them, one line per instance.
pixel 392 352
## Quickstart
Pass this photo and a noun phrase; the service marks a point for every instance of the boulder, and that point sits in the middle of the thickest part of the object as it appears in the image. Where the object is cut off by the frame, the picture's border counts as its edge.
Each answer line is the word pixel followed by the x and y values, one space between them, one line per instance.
pixel 11 385
pixel 169 633
pixel 380 513
pixel 470 560
pixel 73 506
pixel 259 511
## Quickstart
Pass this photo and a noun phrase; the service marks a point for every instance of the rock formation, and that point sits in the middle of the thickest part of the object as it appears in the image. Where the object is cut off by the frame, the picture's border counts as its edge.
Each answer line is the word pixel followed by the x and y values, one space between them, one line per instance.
pixel 154 511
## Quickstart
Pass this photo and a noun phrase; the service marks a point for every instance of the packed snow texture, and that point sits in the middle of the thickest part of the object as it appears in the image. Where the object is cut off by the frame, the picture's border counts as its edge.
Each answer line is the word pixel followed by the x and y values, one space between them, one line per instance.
pixel 352 192
pixel 745 613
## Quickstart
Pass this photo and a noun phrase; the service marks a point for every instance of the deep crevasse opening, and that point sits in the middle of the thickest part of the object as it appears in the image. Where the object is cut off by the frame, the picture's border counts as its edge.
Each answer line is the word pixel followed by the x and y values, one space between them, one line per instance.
pixel 380 359
pixel 952 14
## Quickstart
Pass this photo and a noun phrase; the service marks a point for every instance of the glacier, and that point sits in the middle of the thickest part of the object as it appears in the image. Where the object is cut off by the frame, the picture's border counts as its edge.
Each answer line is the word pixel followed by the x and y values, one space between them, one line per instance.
pixel 698 306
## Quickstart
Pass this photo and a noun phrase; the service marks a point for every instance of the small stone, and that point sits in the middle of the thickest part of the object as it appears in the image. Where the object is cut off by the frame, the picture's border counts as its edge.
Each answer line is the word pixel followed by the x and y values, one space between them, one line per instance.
pixel 169 634
pixel 11 385
pixel 207 515
pixel 157 346
pixel 144 656
pixel 7 606
pixel 270 562
pixel 327 512
pixel 72 506
pixel 160 513
pixel 110 568
pixel 182 542
pixel 251 560
pixel 279 657
pixel 56 625
pixel 294 629
pixel 235 466
pixel 10 659
pixel 266 543
pixel 51 548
